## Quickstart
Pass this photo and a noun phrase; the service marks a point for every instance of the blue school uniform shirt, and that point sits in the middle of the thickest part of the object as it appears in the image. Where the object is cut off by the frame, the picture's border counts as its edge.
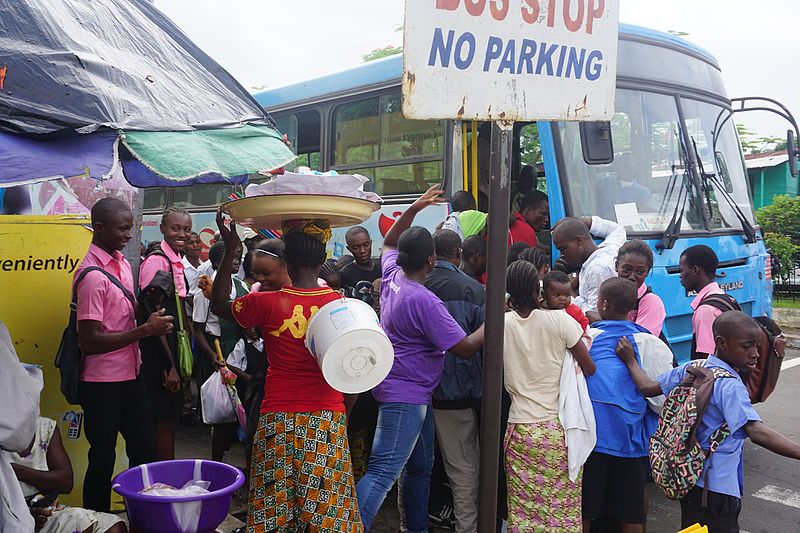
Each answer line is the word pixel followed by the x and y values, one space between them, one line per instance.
pixel 619 407
pixel 729 403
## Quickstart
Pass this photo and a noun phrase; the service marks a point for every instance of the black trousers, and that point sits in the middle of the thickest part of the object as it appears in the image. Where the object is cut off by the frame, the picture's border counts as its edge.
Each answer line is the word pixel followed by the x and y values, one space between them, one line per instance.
pixel 721 515
pixel 109 409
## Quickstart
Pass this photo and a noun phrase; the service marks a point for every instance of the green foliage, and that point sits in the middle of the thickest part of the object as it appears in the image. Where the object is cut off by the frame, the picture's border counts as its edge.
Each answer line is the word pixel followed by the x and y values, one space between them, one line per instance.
pixel 781 225
pixel 529 146
pixel 786 304
pixel 783 248
pixel 378 53
pixel 752 143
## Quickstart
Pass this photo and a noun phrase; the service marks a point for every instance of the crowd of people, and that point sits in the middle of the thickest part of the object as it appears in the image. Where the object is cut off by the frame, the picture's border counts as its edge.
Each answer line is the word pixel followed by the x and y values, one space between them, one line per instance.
pixel 320 460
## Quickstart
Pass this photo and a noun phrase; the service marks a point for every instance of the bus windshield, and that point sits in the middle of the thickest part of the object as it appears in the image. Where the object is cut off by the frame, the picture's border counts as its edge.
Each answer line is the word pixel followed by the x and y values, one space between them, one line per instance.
pixel 648 177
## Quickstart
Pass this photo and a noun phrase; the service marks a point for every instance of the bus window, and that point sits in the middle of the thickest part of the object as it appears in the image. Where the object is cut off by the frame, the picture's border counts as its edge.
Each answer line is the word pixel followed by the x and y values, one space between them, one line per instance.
pixel 155 198
pixel 723 169
pixel 201 195
pixel 400 156
pixel 401 138
pixel 303 131
pixel 647 169
pixel 530 160
pixel 287 125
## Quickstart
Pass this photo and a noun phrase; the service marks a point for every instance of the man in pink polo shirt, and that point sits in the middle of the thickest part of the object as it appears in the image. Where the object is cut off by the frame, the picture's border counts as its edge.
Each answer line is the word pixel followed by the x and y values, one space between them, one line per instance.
pixel 113 398
pixel 698 274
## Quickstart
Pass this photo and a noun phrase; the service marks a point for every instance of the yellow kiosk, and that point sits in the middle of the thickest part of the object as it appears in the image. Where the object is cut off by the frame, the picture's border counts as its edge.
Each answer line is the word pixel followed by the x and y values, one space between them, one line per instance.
pixel 38 257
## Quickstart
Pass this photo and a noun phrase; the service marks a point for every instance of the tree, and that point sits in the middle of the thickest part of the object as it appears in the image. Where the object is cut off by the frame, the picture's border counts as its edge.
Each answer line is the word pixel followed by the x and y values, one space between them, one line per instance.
pixel 378 53
pixel 386 51
pixel 780 223
pixel 752 143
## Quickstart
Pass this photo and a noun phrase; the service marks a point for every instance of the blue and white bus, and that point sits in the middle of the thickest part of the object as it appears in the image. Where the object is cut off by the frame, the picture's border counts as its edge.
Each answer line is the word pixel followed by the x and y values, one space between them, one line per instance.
pixel 677 165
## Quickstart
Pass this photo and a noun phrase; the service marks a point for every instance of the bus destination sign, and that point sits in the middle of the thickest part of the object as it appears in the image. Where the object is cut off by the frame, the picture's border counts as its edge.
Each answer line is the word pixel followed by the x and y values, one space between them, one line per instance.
pixel 510 60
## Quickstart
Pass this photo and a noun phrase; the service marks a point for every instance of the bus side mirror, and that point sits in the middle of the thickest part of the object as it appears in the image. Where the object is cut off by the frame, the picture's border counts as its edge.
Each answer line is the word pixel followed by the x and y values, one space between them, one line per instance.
pixel 793 151
pixel 596 143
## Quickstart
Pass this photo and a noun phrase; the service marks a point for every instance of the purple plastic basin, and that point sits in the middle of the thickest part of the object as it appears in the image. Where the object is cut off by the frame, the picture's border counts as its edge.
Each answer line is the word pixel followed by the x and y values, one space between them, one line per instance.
pixel 157 514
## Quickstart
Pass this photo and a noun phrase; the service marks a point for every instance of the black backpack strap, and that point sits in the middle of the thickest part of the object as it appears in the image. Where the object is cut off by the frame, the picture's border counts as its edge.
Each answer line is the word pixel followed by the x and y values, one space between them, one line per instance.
pixel 161 253
pixel 113 279
pixel 638 300
pixel 723 302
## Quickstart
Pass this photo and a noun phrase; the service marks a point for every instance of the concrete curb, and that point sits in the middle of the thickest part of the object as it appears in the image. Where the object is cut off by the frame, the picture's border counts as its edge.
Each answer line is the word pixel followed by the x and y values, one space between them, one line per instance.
pixel 789 321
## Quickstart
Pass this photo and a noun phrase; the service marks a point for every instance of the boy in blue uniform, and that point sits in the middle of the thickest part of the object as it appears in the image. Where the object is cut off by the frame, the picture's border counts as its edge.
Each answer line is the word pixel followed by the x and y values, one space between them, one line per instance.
pixel 736 337
pixel 615 473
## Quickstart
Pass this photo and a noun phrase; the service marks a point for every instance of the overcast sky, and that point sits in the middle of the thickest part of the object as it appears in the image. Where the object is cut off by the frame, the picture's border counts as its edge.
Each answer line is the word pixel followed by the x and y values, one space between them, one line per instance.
pixel 268 43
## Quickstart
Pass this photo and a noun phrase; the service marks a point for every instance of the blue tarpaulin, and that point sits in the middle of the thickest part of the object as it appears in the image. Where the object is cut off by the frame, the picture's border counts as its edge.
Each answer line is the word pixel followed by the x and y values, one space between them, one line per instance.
pixel 76 76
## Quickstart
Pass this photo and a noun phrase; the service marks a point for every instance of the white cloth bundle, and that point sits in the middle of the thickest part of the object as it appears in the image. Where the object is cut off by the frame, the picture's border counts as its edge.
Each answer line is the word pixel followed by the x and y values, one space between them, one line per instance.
pixel 317 183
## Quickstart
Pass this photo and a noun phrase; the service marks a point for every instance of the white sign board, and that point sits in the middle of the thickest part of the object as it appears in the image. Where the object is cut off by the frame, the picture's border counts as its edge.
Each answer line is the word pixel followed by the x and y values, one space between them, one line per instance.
pixel 510 59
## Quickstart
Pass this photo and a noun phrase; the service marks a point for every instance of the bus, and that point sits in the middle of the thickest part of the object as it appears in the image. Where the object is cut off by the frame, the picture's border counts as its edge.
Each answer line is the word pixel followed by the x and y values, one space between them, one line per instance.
pixel 675 174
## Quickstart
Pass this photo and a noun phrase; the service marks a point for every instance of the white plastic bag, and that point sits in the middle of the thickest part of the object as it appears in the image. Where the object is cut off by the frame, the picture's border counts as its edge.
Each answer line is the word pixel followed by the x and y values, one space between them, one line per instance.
pixel 193 487
pixel 215 401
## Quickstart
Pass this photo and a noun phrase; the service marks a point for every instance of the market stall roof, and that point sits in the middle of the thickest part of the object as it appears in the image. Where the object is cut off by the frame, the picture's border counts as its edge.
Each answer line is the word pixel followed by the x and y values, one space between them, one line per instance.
pixel 88 85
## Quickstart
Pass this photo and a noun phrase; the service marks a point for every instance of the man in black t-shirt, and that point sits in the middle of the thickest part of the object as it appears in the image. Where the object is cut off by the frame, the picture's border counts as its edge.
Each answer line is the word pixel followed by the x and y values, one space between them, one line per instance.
pixel 365 267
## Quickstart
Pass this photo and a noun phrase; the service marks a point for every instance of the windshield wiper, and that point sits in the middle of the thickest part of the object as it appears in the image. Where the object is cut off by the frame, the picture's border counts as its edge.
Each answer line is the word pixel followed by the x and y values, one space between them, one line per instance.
pixel 673 229
pixel 747 228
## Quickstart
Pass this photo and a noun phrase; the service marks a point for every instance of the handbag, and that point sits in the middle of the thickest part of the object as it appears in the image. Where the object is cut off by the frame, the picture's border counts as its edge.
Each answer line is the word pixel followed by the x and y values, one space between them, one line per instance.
pixel 185 356
pixel 69 358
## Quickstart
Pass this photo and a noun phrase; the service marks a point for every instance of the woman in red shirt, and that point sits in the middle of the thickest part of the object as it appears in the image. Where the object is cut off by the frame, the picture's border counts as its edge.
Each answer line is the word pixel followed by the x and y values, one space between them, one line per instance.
pixel 301 475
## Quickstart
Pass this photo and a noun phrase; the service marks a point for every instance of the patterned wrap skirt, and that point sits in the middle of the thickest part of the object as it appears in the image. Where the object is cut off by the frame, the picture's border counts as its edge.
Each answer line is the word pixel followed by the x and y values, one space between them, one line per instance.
pixel 301 477
pixel 540 495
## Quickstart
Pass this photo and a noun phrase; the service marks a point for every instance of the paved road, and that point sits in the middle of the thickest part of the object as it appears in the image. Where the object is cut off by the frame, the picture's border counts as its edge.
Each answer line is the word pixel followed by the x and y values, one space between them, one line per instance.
pixel 771 502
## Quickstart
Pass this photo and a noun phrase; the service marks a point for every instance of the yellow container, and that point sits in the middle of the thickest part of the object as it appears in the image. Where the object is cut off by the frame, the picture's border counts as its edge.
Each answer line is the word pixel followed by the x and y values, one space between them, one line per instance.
pixel 38 257
pixel 695 528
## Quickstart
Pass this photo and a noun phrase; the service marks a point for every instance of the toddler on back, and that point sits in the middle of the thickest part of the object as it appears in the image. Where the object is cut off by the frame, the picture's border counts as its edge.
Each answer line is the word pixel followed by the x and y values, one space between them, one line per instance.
pixel 557 294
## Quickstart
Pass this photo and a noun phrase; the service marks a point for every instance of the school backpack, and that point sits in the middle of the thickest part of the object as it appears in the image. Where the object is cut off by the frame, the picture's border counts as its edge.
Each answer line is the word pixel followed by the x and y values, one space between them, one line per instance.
pixel 762 380
pixel 764 377
pixel 724 302
pixel 69 358
pixel 676 459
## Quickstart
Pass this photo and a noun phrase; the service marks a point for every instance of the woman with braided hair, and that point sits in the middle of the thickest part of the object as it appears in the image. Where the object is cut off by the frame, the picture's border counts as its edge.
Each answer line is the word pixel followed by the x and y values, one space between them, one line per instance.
pixel 301 476
pixel 421 330
pixel 540 493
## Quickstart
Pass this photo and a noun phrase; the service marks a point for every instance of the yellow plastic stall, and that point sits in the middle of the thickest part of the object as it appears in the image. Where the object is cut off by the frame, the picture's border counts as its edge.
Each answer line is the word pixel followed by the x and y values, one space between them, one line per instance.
pixel 38 257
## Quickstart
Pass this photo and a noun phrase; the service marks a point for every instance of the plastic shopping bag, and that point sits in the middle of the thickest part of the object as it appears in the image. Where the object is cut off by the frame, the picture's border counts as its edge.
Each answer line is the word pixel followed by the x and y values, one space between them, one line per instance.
pixel 215 401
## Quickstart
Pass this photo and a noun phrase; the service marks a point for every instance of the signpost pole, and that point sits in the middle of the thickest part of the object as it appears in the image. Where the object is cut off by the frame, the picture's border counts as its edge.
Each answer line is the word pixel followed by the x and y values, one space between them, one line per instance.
pixel 490 438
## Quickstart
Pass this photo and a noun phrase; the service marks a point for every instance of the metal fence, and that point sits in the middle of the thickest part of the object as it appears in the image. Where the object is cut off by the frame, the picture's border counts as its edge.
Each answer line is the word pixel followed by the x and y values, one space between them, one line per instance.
pixel 788 288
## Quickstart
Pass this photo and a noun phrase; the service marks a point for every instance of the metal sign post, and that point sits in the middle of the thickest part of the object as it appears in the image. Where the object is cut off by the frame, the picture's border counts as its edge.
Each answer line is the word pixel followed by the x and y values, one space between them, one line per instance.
pixel 491 396
pixel 506 62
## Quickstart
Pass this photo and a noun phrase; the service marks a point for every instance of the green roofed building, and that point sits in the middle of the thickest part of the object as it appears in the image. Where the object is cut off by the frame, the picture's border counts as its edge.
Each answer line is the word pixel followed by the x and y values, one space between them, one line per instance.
pixel 769 176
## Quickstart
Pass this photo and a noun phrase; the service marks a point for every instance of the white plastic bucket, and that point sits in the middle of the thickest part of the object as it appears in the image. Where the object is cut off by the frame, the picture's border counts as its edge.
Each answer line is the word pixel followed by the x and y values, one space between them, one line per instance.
pixel 351 349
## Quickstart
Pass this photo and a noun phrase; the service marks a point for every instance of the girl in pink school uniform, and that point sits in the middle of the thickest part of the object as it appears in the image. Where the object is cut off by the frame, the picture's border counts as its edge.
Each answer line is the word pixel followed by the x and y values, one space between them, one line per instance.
pixel 160 371
pixel 634 263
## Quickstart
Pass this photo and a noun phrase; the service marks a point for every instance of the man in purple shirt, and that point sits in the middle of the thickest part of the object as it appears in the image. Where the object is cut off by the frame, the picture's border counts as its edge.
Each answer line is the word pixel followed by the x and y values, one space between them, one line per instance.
pixel 110 391
pixel 421 330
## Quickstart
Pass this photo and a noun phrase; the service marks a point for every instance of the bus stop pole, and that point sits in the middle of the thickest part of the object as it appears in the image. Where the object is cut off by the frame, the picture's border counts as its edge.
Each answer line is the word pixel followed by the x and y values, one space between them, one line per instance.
pixel 490 437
